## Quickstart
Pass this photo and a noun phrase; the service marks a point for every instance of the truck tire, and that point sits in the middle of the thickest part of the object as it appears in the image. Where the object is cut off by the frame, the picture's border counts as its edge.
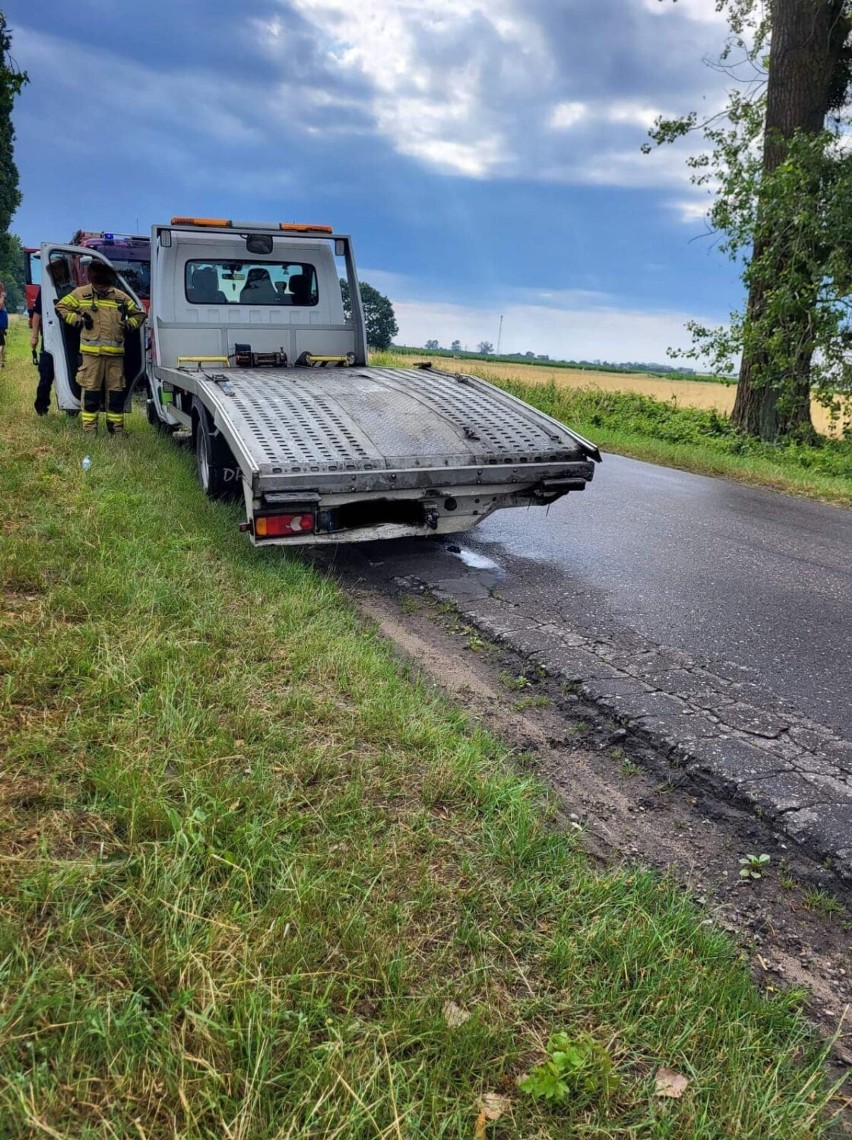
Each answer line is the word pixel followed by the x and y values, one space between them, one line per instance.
pixel 214 462
pixel 154 420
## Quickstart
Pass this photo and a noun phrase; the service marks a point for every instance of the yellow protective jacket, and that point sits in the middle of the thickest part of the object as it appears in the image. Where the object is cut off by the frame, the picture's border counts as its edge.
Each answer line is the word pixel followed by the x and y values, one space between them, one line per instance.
pixel 111 310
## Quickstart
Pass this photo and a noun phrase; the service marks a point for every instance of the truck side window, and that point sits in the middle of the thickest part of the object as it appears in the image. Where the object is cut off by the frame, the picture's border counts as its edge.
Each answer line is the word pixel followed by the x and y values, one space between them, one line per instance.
pixel 283 283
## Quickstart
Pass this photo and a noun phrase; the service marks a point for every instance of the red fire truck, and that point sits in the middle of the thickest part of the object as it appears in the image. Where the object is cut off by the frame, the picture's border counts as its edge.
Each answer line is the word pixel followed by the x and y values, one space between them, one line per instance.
pixel 130 255
pixel 32 275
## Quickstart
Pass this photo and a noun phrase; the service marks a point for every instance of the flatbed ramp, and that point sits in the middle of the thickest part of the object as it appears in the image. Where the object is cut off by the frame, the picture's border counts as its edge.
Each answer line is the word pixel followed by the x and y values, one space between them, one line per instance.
pixel 302 420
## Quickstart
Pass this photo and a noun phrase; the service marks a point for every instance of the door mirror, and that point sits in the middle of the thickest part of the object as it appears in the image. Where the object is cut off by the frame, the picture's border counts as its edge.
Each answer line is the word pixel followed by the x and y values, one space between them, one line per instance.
pixel 259 243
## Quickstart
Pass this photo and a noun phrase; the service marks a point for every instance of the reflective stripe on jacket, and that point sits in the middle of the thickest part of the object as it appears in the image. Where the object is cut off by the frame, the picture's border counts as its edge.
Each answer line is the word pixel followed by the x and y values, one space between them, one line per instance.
pixel 111 311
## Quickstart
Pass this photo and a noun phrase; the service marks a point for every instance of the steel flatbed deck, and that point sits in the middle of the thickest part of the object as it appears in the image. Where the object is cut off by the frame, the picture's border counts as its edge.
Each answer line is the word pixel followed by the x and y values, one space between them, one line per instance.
pixel 339 429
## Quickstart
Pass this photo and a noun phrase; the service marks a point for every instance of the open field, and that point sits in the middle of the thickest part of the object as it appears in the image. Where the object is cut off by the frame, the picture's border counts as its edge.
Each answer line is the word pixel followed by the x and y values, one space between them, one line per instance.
pixel 685 393
pixel 258 882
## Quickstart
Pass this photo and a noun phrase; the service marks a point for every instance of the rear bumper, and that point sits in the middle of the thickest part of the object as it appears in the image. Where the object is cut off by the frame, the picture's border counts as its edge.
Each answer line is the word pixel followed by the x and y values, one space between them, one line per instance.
pixel 428 479
pixel 400 512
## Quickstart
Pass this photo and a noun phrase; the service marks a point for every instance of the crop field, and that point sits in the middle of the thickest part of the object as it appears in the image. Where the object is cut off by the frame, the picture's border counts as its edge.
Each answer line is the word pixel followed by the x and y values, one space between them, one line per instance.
pixel 701 394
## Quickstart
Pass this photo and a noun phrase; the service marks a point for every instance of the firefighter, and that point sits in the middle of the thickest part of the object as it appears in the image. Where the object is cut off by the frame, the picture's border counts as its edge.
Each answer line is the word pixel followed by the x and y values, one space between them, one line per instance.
pixel 102 313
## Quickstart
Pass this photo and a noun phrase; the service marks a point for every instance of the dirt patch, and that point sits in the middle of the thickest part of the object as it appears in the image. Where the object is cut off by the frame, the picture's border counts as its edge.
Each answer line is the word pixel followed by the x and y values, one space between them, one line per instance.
pixel 59 834
pixel 629 804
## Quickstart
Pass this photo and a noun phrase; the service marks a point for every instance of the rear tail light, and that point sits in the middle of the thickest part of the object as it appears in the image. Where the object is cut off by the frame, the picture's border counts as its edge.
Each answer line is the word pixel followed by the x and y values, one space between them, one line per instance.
pixel 280 526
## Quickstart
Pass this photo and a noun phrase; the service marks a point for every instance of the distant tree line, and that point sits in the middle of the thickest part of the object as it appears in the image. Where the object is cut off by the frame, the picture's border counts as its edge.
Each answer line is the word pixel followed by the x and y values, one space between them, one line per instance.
pixel 12 81
pixel 486 348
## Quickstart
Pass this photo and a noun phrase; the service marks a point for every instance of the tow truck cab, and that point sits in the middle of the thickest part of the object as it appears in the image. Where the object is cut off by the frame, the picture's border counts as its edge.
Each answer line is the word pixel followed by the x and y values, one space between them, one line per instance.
pixel 276 291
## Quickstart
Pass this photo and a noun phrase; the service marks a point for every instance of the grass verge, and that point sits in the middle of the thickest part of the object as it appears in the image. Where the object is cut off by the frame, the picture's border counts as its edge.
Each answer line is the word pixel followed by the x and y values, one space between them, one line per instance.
pixel 257 882
pixel 688 438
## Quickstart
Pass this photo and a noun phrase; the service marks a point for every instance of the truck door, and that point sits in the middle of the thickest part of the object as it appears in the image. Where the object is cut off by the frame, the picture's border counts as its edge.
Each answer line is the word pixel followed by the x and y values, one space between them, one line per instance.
pixel 63 270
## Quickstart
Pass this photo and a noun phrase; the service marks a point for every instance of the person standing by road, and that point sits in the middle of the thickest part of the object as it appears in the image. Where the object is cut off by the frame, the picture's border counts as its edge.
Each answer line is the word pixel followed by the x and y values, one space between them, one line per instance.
pixel 43 360
pixel 4 325
pixel 102 313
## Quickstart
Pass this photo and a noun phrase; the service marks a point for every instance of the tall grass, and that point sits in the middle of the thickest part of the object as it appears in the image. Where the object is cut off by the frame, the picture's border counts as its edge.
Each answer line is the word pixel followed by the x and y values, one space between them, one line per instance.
pixel 247 860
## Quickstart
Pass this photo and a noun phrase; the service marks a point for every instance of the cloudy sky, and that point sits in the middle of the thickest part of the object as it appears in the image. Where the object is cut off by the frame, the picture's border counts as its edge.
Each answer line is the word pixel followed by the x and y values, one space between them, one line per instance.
pixel 485 154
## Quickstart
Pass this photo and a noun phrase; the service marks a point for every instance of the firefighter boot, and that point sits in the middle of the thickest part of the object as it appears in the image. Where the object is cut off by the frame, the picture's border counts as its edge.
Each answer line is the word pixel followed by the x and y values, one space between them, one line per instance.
pixel 91 407
pixel 115 412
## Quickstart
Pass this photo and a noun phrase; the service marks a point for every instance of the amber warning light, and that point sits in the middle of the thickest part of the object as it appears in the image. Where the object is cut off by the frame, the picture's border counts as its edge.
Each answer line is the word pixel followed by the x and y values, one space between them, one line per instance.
pixel 220 222
pixel 228 224
pixel 300 228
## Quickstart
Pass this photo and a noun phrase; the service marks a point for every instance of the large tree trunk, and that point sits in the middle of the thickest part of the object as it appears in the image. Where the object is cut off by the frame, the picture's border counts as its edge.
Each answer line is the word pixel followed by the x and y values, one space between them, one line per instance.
pixel 803 61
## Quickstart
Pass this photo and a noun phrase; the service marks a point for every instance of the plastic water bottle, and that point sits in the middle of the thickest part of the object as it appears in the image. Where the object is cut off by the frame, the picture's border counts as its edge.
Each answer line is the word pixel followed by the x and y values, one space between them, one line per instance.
pixel 87 462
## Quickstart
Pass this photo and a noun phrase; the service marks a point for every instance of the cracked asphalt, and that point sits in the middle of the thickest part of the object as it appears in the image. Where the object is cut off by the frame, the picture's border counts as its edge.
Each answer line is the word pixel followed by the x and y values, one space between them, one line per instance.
pixel 714 620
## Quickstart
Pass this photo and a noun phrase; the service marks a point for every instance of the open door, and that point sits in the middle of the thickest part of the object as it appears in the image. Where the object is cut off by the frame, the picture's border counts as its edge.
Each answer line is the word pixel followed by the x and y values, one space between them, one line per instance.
pixel 63 269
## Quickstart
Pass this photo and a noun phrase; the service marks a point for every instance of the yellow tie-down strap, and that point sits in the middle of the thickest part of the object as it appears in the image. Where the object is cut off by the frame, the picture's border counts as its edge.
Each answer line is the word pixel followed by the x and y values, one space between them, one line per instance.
pixel 202 360
pixel 312 358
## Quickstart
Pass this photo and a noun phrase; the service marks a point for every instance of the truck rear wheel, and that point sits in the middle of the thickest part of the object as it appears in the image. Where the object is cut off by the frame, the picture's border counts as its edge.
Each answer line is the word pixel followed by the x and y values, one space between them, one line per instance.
pixel 217 469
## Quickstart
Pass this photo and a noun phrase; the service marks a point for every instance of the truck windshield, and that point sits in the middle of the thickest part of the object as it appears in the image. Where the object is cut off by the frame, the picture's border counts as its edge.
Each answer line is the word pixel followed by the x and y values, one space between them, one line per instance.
pixel 250 283
pixel 137 274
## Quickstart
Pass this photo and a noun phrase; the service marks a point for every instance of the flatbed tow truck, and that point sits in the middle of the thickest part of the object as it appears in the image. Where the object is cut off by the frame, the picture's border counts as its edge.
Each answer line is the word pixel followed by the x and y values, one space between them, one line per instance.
pixel 251 353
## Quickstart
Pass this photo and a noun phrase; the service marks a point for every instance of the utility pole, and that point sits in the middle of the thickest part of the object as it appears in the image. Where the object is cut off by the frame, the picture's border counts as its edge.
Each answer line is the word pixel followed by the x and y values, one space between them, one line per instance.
pixel 499 335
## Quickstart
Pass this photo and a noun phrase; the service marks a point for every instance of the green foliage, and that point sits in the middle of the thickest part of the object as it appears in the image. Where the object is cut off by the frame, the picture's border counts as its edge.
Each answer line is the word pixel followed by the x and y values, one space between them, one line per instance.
pixel 781 210
pixel 11 82
pixel 12 271
pixel 511 681
pixel 576 1067
pixel 592 409
pixel 820 900
pixel 379 316
pixel 752 866
pixel 804 255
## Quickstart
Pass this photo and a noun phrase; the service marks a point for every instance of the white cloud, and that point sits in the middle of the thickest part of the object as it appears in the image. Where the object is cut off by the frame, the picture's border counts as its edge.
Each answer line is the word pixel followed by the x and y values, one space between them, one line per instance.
pixel 691 210
pixel 632 112
pixel 626 167
pixel 699 11
pixel 486 89
pixel 434 114
pixel 567 115
pixel 480 89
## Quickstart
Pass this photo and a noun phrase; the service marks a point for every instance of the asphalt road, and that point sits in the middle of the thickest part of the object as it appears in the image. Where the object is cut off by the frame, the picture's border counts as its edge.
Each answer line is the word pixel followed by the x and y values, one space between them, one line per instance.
pixel 709 567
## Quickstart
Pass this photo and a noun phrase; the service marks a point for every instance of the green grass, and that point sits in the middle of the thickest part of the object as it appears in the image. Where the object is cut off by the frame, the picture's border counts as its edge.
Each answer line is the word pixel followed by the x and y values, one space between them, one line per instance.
pixel 246 860
pixel 697 440
pixel 690 438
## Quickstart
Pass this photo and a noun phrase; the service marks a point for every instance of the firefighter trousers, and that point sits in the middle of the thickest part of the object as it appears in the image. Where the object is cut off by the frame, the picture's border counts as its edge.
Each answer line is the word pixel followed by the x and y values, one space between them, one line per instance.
pixel 95 375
